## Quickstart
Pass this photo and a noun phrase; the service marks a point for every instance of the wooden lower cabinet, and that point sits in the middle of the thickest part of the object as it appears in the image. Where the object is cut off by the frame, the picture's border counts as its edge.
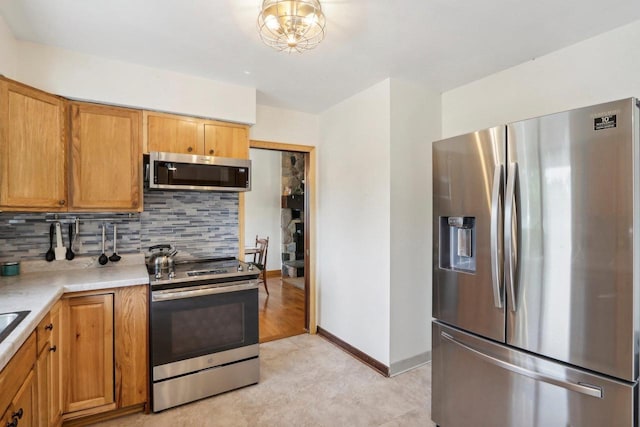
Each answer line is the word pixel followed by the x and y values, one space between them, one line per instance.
pixel 87 360
pixel 18 391
pixel 48 369
pixel 104 351
pixel 22 411
pixel 88 352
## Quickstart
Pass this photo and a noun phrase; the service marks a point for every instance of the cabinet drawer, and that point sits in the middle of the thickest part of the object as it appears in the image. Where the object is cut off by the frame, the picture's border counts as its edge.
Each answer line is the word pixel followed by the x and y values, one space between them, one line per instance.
pixel 43 332
pixel 14 374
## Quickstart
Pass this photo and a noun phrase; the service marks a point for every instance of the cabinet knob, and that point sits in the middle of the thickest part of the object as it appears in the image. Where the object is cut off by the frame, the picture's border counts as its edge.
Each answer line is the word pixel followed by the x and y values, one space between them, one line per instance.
pixel 62 202
pixel 211 152
pixel 18 414
pixel 49 327
pixel 13 423
pixel 54 348
pixel 190 149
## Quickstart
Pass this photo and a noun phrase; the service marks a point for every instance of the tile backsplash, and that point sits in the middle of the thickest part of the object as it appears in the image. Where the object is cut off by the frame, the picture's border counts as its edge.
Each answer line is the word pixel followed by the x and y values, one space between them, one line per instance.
pixel 199 224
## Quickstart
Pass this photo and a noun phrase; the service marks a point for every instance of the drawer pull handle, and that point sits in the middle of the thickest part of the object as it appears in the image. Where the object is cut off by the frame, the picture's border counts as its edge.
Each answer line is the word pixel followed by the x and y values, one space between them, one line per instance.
pixel 49 327
pixel 18 414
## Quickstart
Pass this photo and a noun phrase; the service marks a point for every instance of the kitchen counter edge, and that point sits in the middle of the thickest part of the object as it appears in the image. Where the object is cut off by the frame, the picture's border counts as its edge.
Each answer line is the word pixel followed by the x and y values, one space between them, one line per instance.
pixel 38 292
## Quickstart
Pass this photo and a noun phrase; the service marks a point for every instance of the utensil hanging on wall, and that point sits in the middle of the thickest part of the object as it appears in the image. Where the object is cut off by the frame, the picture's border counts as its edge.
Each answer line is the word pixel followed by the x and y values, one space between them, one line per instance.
pixel 75 246
pixel 115 257
pixel 61 251
pixel 50 255
pixel 102 260
pixel 70 255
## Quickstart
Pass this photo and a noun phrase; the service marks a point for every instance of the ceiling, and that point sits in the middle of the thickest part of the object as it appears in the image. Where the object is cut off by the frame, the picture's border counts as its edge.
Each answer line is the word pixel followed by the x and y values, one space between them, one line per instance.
pixel 440 43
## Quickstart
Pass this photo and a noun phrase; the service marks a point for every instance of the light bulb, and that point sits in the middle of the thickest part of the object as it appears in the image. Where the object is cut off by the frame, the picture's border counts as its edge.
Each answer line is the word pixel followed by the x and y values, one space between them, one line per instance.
pixel 271 22
pixel 310 19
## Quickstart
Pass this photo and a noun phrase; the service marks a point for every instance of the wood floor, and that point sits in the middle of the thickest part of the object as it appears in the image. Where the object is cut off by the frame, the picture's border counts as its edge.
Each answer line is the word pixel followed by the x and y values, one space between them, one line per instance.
pixel 281 312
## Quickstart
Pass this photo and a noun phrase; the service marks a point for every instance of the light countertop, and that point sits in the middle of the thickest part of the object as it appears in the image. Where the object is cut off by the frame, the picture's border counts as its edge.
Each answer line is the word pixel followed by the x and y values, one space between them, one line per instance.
pixel 37 289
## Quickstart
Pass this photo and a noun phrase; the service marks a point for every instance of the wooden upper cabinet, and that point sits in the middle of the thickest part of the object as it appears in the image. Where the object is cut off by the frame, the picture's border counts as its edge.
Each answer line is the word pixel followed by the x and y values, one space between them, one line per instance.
pixel 105 158
pixel 32 149
pixel 190 135
pixel 226 141
pixel 173 134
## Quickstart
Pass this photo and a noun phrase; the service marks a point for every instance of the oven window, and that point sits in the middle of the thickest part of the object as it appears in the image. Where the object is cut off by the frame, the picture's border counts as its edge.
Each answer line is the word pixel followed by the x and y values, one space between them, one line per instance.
pixel 200 328
pixel 193 327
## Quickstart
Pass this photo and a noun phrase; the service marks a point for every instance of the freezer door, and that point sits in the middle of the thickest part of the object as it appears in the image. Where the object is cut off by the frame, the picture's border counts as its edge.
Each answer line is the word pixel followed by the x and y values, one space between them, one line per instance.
pixel 468 181
pixel 571 250
pixel 479 383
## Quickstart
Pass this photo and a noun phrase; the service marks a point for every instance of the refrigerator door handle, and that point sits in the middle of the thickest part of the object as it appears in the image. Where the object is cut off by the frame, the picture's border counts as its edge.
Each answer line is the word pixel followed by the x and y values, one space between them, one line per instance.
pixel 496 236
pixel 511 233
pixel 582 388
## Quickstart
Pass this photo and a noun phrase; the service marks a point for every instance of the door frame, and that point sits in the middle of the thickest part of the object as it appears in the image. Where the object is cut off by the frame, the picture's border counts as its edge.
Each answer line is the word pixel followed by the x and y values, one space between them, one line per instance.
pixel 311 322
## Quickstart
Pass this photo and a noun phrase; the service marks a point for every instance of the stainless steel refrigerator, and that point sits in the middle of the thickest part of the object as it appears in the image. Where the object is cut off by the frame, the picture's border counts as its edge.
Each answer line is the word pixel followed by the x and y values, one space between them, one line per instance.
pixel 536 273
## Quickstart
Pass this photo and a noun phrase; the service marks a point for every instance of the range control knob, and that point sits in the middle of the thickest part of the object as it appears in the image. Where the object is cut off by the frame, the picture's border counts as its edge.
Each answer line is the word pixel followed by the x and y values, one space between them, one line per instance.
pixel 250 267
pixel 240 267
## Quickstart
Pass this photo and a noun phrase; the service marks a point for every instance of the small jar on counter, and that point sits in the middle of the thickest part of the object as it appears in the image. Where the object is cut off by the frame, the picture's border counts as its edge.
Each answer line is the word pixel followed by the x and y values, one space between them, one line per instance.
pixel 10 268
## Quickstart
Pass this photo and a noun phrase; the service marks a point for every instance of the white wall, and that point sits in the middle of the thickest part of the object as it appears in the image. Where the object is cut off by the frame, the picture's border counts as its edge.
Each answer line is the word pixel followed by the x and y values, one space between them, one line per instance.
pixel 599 69
pixel 285 126
pixel 415 123
pixel 262 204
pixel 87 77
pixel 8 59
pixel 354 217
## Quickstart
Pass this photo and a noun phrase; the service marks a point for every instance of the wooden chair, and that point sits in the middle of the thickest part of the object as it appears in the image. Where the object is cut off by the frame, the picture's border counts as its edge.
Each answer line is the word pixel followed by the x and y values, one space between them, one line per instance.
pixel 260 259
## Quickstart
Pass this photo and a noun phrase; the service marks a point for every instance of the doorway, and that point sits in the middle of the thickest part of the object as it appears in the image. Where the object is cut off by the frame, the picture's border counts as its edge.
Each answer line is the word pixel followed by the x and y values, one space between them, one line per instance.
pixel 289 308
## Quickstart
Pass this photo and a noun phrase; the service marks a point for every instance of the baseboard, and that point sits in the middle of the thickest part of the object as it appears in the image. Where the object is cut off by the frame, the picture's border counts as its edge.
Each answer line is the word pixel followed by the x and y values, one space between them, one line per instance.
pixel 410 363
pixel 273 273
pixel 360 355
pixel 92 419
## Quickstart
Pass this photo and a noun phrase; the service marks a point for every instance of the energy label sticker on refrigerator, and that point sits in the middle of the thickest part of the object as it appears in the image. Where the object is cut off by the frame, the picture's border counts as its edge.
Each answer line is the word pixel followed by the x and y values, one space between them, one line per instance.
pixel 604 122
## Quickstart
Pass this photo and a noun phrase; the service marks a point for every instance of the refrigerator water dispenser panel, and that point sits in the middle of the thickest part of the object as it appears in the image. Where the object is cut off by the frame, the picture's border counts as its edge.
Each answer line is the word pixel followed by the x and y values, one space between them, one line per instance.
pixel 457 243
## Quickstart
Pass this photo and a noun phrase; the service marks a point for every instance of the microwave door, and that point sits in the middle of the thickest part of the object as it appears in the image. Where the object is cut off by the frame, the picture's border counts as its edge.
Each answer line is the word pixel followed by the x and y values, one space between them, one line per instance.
pixel 185 175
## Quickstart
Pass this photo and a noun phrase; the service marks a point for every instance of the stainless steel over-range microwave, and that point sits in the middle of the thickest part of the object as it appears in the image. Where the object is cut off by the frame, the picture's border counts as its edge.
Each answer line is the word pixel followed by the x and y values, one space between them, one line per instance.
pixel 172 171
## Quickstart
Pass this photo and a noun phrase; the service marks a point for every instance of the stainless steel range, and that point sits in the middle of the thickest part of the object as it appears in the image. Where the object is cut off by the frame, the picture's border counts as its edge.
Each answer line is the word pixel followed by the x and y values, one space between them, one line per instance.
pixel 204 329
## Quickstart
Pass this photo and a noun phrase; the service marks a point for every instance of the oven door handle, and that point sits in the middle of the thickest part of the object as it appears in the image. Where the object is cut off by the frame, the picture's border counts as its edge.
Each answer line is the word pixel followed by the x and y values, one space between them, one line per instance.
pixel 171 294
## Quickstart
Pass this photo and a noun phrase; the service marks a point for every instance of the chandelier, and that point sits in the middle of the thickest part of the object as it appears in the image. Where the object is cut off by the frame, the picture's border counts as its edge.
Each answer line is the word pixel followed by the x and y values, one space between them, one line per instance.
pixel 291 25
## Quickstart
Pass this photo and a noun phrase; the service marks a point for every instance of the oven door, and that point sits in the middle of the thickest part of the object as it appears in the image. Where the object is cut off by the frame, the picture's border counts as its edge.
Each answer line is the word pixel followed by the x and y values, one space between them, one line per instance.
pixel 191 324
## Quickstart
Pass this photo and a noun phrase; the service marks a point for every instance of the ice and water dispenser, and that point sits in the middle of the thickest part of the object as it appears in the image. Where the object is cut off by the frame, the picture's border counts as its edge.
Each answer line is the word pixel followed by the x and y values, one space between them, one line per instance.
pixel 458 243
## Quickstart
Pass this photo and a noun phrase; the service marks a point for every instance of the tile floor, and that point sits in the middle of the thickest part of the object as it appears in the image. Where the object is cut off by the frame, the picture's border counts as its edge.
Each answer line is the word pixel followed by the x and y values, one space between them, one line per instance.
pixel 307 381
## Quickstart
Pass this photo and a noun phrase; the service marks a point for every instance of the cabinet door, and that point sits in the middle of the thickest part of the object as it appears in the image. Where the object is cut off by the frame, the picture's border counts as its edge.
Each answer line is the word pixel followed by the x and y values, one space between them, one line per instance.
pixel 88 352
pixel 48 370
pixel 43 369
pixel 131 350
pixel 54 350
pixel 105 158
pixel 226 141
pixel 174 134
pixel 23 406
pixel 32 149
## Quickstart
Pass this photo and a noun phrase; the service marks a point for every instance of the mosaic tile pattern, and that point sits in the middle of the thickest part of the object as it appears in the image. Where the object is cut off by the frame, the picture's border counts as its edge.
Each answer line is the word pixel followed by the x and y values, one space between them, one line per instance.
pixel 199 224
pixel 25 236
